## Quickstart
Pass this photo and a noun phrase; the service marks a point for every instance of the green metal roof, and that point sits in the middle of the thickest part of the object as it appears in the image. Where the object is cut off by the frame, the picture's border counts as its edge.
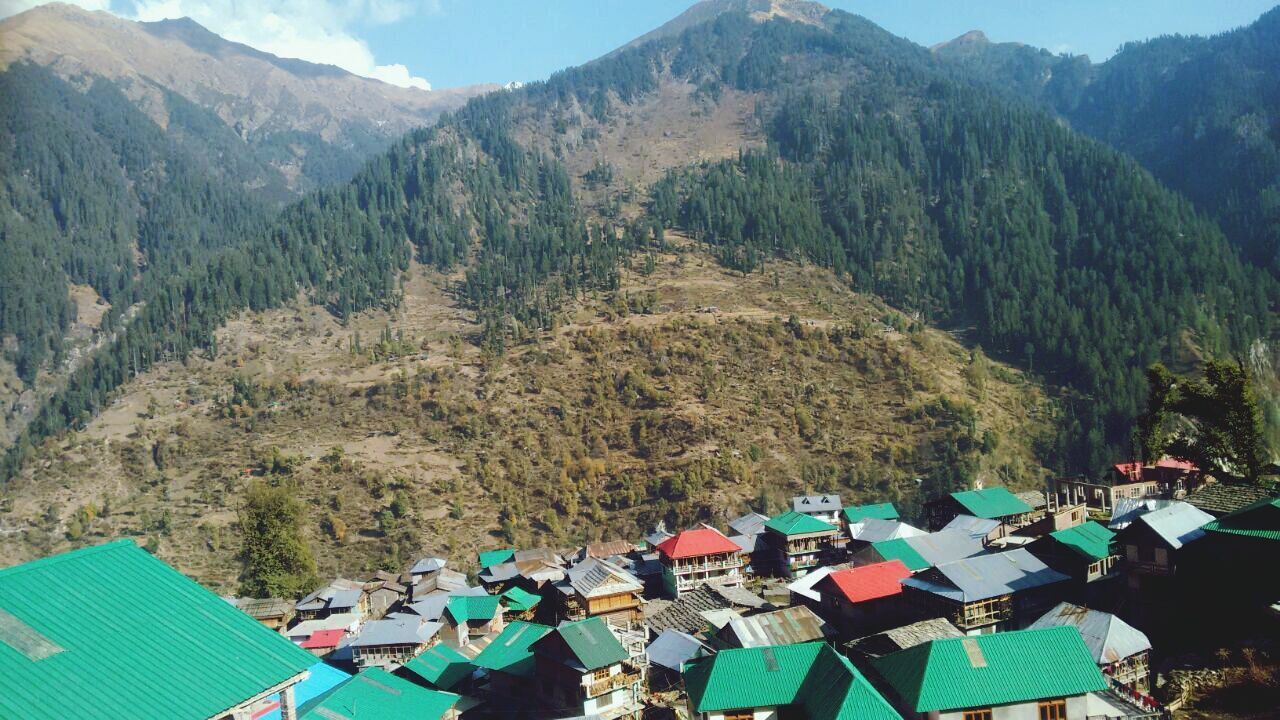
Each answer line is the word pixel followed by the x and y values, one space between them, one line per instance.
pixel 984 670
pixel 882 511
pixel 489 558
pixel 509 652
pixel 375 694
pixel 794 523
pixel 519 599
pixel 441 666
pixel 592 642
pixel 111 632
pixel 1089 539
pixel 471 608
pixel 809 674
pixel 991 503
pixel 1260 520
pixel 899 549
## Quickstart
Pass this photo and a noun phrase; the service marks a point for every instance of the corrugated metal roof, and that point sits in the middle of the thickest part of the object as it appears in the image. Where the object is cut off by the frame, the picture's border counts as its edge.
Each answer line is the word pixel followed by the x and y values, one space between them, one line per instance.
pixel 994 502
pixel 812 675
pixel 1260 520
pixel 923 551
pixel 320 678
pixel 594 577
pixel 509 652
pixel 375 694
pixel 1108 638
pixel 797 523
pixel 341 621
pixel 998 669
pixel 804 586
pixel 404 630
pixel 441 665
pixel 608 549
pixel 592 642
pixel 322 639
pixel 816 504
pixel 489 558
pixel 883 511
pixel 1177 524
pixel 869 582
pixel 699 541
pixel 900 550
pixel 787 626
pixel 1129 509
pixel 750 524
pixel 1088 539
pixel 519 599
pixel 672 649
pixel 975 526
pixel 986 576
pixel 428 565
pixel 473 608
pixel 115 629
pixel 873 530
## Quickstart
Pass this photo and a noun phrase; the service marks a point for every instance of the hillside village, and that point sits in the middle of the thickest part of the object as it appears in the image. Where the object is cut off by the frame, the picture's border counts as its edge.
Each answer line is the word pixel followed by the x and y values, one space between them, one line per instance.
pixel 1083 601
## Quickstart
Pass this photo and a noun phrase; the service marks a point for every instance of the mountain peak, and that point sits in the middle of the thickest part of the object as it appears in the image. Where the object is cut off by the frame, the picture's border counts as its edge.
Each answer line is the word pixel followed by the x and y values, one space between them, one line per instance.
pixel 804 11
pixel 973 37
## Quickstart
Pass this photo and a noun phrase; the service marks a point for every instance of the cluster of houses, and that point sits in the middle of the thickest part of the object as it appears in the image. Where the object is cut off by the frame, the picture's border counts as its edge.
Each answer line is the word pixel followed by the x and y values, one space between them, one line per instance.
pixel 1003 605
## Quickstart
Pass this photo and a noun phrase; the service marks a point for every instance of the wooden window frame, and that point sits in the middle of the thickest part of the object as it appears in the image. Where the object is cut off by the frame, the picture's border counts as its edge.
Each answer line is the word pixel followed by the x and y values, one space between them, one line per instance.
pixel 979 714
pixel 1055 709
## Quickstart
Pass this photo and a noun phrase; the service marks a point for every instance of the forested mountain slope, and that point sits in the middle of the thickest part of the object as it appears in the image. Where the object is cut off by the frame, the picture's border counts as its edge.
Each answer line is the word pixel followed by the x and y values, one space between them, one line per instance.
pixel 836 144
pixel 1199 112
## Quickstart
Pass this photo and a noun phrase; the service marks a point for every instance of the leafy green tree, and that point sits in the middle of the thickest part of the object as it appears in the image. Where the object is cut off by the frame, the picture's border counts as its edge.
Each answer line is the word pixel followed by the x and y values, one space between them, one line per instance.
pixel 277 562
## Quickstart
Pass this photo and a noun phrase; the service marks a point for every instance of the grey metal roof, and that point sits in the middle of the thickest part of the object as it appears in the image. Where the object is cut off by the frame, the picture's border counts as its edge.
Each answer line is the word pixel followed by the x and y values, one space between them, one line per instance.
pixel 657 537
pixel 594 576
pixel 876 529
pixel 345 599
pixel 1129 509
pixel 606 550
pixel 337 621
pixel 428 565
pixel 907 636
pixel 1178 524
pixel 976 527
pixel 396 631
pixel 263 608
pixel 749 524
pixel 745 543
pixel 816 504
pixel 499 573
pixel 672 649
pixel 432 607
pixel 788 626
pixel 804 586
pixel 1108 638
pixel 945 546
pixel 986 576
pixel 339 589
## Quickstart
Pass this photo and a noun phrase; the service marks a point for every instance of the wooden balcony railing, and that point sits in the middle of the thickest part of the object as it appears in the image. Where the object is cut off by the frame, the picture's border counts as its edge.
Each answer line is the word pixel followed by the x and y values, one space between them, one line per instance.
pixel 613 682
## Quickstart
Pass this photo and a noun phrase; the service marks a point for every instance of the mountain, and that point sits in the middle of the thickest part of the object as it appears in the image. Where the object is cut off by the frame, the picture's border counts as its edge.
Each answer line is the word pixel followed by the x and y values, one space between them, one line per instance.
pixel 1199 112
pixel 584 235
pixel 286 111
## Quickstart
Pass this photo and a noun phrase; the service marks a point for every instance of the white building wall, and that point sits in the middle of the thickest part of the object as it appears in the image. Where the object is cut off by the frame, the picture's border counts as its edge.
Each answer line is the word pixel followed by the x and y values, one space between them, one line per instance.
pixel 1020 711
pixel 762 713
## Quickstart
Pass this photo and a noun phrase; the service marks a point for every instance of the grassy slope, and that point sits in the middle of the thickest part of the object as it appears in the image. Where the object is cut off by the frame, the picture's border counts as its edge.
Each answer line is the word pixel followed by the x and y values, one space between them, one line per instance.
pixel 550 433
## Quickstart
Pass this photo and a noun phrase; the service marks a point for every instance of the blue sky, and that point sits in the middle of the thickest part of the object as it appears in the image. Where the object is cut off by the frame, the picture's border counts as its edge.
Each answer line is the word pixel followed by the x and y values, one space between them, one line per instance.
pixel 445 43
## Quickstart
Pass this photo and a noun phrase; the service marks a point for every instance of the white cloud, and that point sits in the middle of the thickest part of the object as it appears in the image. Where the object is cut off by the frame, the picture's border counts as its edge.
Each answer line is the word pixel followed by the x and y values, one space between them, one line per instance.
pixel 319 31
pixel 13 7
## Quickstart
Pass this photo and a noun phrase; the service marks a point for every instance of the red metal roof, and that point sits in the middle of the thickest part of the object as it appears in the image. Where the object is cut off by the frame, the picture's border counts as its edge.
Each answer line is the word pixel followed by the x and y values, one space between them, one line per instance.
pixel 700 541
pixel 1177 464
pixel 323 639
pixel 868 582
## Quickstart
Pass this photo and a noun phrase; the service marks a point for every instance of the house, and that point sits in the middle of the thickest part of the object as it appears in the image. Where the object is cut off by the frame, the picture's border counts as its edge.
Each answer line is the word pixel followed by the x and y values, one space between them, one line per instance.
pixel 323 642
pixel 880 511
pixel 806 682
pixel 994 503
pixel 1085 552
pixel 439 667
pixel 668 654
pixel 427 566
pixel 1060 518
pixel 1167 478
pixel 801 591
pixel 275 613
pixel 467 618
pixel 1153 544
pixel 598 588
pixel 339 597
pixel 1035 674
pixel 606 550
pixel 1229 556
pixel 375 694
pixel 442 582
pixel 922 551
pixel 1220 499
pixel 696 557
pixel 865 649
pixel 748 525
pixel 794 543
pixel 392 641
pixel 383 593
pixel 873 530
pixel 110 631
pixel 344 624
pixel 520 603
pixel 822 507
pixel 510 662
pixel 1117 648
pixel 984 530
pixel 489 558
pixel 690 614
pixel 1128 510
pixel 583 669
pixel 863 599
pixel 784 626
pixel 986 593
pixel 432 606
pixel 530 569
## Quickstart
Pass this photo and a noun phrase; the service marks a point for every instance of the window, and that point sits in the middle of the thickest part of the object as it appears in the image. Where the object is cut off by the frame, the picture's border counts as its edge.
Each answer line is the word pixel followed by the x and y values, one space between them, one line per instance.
pixel 1053 709
pixel 977 714
pixel 739 715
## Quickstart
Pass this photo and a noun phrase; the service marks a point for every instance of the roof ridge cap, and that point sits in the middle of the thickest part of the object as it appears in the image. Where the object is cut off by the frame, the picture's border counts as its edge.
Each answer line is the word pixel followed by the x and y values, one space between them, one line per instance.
pixel 69 555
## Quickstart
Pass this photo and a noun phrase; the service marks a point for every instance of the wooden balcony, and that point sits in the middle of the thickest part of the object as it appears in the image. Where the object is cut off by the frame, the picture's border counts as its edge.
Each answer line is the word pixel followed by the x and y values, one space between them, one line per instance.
pixel 613 682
